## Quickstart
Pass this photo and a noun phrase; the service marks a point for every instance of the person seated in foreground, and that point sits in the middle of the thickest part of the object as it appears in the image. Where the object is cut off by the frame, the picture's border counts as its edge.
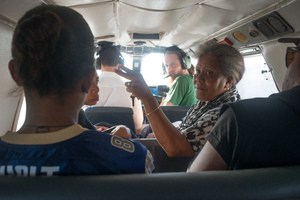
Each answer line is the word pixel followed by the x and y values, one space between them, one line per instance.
pixel 54 63
pixel 220 67
pixel 180 73
pixel 260 132
pixel 113 90
pixel 91 99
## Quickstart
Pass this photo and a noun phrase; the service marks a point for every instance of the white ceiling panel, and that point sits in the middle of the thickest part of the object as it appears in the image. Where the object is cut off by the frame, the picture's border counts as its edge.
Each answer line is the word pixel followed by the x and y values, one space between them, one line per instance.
pixel 183 22
pixel 148 21
pixel 201 22
pixel 14 10
pixel 100 17
pixel 72 3
pixel 250 6
pixel 162 4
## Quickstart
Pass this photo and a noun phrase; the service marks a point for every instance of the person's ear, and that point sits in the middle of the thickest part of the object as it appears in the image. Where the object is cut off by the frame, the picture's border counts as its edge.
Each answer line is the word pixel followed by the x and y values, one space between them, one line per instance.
pixel 87 81
pixel 14 74
pixel 229 82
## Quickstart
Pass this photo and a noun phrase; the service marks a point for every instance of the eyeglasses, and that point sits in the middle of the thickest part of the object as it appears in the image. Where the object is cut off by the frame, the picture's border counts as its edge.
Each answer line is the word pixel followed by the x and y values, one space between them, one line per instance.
pixel 290 55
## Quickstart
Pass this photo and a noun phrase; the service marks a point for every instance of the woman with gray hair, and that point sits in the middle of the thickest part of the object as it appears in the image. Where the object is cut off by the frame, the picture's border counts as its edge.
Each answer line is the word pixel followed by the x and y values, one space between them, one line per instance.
pixel 220 67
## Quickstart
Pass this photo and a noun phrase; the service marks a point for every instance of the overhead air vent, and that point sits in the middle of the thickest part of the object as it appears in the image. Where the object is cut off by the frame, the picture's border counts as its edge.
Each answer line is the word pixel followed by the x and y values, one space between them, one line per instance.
pixel 145 36
pixel 272 25
pixel 140 43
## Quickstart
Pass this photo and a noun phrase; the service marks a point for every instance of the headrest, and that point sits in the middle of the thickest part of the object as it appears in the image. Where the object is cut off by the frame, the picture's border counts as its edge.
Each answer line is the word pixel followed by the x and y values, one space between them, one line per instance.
pixel 296 41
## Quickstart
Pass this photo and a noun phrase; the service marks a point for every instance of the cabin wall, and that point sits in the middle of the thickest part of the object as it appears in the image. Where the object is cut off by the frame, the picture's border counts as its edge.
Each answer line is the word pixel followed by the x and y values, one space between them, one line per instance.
pixel 274 54
pixel 8 99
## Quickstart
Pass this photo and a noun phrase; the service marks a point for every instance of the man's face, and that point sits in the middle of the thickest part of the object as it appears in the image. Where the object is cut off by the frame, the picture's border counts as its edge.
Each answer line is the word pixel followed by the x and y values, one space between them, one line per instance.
pixel 173 65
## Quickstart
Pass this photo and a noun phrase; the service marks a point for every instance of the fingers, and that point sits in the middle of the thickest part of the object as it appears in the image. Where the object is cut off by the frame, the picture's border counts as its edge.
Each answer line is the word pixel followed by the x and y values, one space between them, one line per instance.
pixel 119 66
pixel 120 72
pixel 101 128
pixel 151 135
pixel 130 84
pixel 127 73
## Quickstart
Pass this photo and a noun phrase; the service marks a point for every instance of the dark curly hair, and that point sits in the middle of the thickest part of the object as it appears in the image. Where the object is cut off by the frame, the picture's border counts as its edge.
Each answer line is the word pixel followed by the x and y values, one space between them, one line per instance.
pixel 52 49
pixel 110 56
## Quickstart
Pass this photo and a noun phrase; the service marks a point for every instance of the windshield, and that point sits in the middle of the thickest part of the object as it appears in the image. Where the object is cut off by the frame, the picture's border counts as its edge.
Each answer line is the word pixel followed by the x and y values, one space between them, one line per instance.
pixel 152 70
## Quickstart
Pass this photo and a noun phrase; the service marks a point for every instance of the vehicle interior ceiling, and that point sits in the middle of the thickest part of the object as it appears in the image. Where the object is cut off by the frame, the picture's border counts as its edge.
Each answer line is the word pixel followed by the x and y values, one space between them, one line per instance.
pixel 141 27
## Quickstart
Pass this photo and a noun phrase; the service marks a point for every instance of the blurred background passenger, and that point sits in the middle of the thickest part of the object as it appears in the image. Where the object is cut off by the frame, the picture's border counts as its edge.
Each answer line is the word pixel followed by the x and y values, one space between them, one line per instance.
pixel 112 87
pixel 53 60
pixel 180 72
pixel 220 67
pixel 92 97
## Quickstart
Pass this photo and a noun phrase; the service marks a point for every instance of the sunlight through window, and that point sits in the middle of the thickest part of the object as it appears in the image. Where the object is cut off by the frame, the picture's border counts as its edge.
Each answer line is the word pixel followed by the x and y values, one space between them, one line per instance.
pixel 152 70
pixel 257 80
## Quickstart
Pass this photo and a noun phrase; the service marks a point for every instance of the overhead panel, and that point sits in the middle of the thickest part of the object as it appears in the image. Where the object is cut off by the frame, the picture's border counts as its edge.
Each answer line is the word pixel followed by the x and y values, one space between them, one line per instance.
pixel 247 10
pixel 272 25
pixel 202 21
pixel 185 23
pixel 250 6
pixel 140 20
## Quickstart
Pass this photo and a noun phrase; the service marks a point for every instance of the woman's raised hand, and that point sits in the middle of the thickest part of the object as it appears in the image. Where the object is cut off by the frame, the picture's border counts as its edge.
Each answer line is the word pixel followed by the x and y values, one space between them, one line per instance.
pixel 137 85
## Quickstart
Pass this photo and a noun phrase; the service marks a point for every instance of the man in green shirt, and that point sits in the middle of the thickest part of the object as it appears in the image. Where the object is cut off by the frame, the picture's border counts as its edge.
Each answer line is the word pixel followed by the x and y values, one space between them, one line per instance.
pixel 179 68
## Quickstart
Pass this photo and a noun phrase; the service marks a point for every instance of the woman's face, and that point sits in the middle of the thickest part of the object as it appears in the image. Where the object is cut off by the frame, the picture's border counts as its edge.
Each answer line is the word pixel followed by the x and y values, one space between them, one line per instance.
pixel 92 96
pixel 209 81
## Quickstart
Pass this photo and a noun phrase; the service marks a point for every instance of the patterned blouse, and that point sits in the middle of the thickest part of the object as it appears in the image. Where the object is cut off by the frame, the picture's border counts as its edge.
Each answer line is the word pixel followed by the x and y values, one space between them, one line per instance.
pixel 202 116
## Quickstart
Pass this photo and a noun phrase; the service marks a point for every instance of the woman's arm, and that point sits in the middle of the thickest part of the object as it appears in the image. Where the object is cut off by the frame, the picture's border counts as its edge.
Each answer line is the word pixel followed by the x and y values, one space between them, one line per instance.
pixel 171 140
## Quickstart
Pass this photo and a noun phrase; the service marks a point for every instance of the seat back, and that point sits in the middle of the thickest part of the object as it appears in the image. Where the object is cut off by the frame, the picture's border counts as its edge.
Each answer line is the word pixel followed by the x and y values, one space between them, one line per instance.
pixel 281 183
pixel 175 113
pixel 112 115
pixel 162 162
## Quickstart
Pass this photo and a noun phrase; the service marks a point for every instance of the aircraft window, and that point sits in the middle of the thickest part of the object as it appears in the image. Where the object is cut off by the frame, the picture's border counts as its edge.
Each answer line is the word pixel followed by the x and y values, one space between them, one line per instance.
pixel 152 70
pixel 257 80
pixel 22 114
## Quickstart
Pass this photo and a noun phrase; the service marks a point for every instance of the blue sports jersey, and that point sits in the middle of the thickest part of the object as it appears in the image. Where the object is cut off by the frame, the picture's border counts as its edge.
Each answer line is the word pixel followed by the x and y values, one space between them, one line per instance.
pixel 71 151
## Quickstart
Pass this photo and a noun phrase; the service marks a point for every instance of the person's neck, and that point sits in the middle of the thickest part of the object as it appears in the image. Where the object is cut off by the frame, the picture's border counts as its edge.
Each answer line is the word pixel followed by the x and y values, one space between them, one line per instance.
pixel 172 78
pixel 47 115
pixel 185 72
